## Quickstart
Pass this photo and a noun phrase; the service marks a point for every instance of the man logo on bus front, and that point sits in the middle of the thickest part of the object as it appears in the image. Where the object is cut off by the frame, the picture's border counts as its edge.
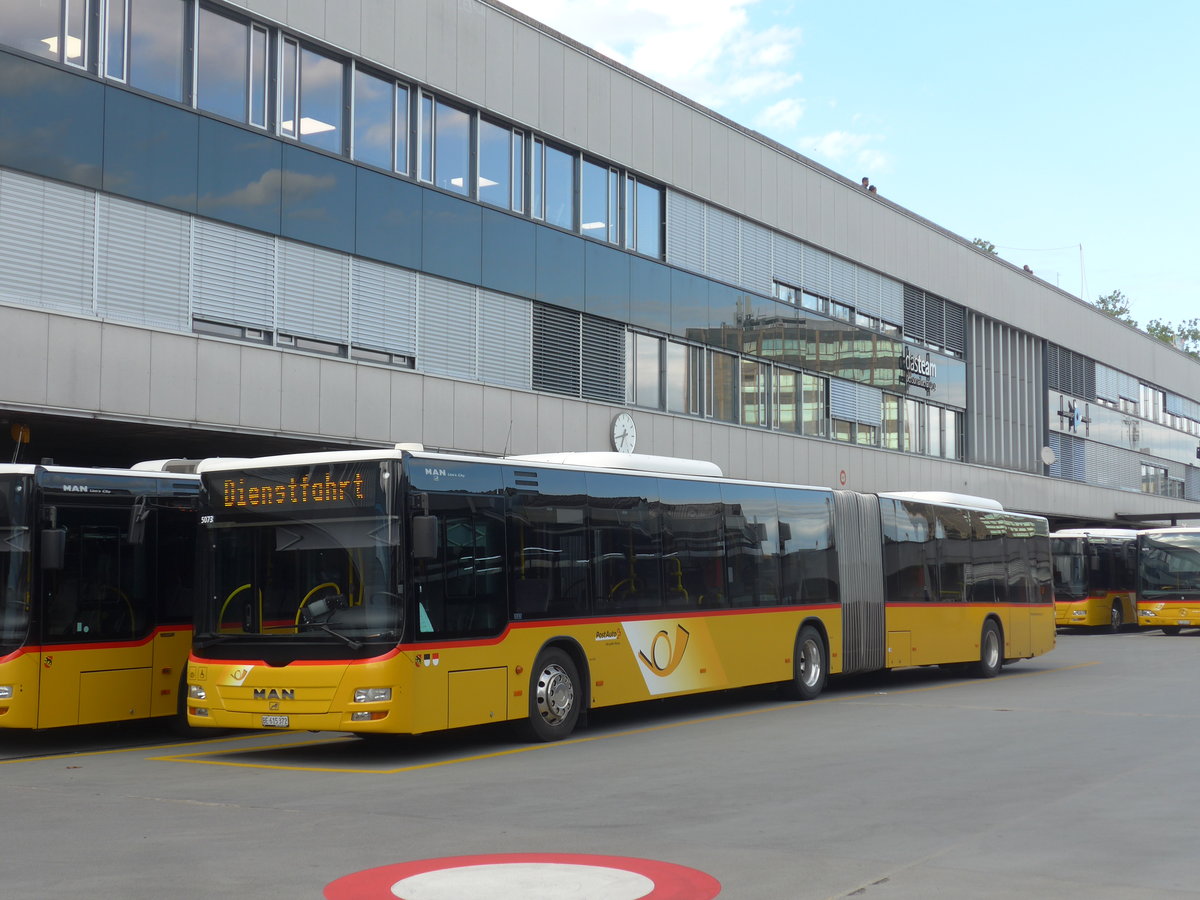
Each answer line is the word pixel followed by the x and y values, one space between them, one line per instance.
pixel 665 657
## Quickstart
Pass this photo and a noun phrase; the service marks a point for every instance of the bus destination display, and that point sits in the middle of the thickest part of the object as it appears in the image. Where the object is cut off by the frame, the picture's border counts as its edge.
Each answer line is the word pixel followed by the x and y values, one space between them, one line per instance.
pixel 312 489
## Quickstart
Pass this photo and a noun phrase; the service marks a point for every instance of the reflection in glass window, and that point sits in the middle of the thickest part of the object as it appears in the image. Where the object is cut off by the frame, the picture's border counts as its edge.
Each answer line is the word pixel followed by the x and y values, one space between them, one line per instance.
pixel 426 138
pixel 677 377
pixel 934 430
pixel 723 398
pixel 816 405
pixel 35 26
pixel 600 202
pixel 644 373
pixel 374 106
pixel 75 45
pixel 222 85
pixel 115 38
pixel 258 76
pixel 518 171
pixel 287 87
pixel 156 46
pixel 537 197
pixel 559 187
pixel 451 148
pixel 495 164
pixel 321 86
pixel 649 220
pixel 891 421
pixel 754 393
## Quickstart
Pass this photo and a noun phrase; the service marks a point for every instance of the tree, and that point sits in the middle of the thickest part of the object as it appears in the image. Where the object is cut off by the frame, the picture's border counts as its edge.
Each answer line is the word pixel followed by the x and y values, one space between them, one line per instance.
pixel 1184 336
pixel 1116 305
pixel 985 246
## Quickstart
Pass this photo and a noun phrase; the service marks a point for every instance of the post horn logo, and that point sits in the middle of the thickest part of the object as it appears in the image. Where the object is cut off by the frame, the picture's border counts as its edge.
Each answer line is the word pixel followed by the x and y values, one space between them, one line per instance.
pixel 665 654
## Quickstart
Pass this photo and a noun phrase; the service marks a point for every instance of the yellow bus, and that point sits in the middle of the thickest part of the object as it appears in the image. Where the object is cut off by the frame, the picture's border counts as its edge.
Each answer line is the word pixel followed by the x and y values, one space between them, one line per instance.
pixel 404 591
pixel 97 566
pixel 1095 577
pixel 1169 579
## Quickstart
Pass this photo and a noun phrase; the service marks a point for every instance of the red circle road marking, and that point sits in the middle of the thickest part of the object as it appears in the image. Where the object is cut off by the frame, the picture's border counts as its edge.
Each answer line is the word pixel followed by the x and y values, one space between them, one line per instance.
pixel 670 882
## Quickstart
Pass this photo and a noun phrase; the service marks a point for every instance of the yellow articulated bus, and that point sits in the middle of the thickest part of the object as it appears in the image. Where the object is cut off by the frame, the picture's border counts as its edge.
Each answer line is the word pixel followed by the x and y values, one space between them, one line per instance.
pixel 407 591
pixel 97 564
pixel 1169 579
pixel 1095 578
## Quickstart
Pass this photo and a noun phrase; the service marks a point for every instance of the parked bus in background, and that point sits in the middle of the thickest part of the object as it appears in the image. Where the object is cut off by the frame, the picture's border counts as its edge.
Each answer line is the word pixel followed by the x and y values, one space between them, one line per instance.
pixel 1095 577
pixel 97 567
pixel 406 591
pixel 1169 578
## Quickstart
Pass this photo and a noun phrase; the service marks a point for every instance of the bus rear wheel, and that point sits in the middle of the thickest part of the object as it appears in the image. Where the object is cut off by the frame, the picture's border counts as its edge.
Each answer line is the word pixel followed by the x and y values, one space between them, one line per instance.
pixel 990 657
pixel 809 668
pixel 555 695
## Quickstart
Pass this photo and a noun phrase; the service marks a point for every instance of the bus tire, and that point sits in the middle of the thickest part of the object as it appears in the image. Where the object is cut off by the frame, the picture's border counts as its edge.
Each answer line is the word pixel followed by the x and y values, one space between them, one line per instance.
pixel 809 666
pixel 555 696
pixel 1170 629
pixel 1116 621
pixel 991 656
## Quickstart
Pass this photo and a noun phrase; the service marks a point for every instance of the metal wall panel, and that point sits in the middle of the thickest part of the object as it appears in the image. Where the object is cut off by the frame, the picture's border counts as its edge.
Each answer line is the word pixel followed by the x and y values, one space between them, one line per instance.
pixel 1005 401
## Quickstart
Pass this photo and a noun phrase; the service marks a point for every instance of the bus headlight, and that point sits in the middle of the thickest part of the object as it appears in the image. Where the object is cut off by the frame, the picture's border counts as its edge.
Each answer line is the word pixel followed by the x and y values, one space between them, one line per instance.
pixel 6 691
pixel 372 695
pixel 197 692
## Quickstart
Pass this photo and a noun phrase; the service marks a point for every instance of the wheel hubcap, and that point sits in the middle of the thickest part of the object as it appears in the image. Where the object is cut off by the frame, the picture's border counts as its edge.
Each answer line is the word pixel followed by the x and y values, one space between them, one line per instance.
pixel 993 649
pixel 555 694
pixel 810 663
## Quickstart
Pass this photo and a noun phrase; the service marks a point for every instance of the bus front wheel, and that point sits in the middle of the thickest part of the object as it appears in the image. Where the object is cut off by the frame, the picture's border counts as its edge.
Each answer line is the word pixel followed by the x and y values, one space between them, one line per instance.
pixel 1116 620
pixel 990 657
pixel 808 665
pixel 1170 629
pixel 555 694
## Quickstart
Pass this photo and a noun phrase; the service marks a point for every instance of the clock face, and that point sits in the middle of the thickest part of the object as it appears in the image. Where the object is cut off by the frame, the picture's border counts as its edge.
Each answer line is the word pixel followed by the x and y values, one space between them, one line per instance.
pixel 624 433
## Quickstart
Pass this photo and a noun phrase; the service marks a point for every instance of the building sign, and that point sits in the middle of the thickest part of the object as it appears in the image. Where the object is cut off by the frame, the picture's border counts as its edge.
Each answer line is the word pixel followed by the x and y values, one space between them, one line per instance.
pixel 917 371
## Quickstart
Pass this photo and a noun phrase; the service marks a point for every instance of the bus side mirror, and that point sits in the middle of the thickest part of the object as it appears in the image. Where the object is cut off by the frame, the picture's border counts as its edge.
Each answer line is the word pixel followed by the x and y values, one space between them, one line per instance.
pixel 54 548
pixel 425 537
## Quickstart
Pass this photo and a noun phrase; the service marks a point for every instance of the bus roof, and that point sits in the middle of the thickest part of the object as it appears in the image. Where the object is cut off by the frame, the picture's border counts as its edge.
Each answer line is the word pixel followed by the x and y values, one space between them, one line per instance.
pixel 135 471
pixel 946 498
pixel 1095 532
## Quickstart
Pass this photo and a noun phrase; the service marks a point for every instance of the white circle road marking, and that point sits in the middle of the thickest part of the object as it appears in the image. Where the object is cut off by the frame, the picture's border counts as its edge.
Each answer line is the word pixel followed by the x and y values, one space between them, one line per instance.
pixel 525 881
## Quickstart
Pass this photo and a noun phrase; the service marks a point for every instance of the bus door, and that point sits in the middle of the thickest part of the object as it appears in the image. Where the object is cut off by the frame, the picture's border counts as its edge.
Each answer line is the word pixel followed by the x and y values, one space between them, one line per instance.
pixel 96 659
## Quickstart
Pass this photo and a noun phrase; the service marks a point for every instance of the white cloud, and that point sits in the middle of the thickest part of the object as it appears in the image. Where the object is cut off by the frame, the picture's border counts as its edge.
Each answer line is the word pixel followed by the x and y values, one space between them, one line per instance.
pixel 841 147
pixel 782 116
pixel 706 50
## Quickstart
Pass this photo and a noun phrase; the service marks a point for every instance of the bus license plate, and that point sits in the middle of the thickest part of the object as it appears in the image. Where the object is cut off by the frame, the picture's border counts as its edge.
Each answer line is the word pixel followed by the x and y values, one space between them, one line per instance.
pixel 275 721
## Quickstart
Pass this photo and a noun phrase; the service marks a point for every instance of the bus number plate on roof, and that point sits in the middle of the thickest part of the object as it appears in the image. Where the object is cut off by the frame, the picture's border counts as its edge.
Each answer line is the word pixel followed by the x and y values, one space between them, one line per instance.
pixel 274 721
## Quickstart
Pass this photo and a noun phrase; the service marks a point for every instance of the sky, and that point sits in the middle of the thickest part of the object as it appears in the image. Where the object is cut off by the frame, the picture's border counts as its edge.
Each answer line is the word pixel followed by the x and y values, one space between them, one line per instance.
pixel 1064 132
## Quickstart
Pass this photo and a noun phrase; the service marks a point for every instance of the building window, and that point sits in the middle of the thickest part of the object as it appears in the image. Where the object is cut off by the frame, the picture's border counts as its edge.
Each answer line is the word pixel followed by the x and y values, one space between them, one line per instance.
pixel 445 145
pixel 755 394
pixel 784 292
pixel 1154 479
pixel 156 46
pixel 891 422
pixel 599 202
pixel 558 187
pixel 644 370
pixel 497 166
pixel 311 97
pixel 376 105
pixel 814 302
pixel 722 399
pixel 231 68
pixel 50 29
pixel 643 217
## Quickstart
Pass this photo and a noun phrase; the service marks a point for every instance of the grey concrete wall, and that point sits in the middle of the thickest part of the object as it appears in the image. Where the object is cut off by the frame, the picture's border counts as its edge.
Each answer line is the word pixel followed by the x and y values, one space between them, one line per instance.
pixel 74 365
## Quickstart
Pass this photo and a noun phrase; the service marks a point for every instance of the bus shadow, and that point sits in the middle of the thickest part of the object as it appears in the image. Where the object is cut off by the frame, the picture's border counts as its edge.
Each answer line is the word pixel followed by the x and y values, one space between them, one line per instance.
pixel 82 739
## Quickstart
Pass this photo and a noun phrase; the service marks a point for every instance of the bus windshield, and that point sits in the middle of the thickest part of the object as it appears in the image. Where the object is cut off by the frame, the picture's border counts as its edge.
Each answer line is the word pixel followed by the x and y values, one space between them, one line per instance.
pixel 1070 572
pixel 1170 563
pixel 332 579
pixel 15 547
